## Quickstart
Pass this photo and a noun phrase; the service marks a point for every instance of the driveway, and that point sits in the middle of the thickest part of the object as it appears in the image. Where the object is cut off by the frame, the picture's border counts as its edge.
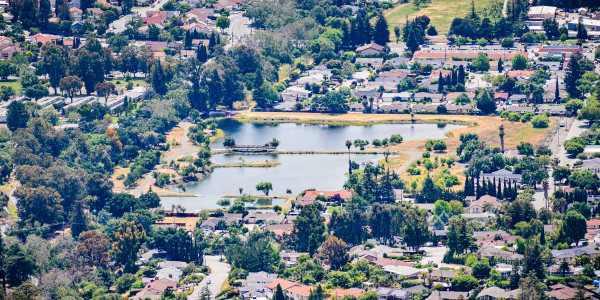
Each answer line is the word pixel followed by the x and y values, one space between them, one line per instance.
pixel 238 29
pixel 219 272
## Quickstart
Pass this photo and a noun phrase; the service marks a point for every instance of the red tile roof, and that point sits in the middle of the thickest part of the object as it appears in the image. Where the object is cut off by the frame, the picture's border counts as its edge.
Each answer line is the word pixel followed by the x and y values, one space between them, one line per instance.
pixel 302 290
pixel 340 293
pixel 343 194
pixel 285 284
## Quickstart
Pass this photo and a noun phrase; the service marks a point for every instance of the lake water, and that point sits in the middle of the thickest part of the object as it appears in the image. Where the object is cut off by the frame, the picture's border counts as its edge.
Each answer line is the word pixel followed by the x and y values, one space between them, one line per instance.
pixel 296 172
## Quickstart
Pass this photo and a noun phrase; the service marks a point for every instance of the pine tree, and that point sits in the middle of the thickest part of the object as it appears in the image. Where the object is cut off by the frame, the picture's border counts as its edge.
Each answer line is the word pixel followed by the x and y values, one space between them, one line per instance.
pixel 381 34
pixel 500 66
pixel 201 53
pixel 159 80
pixel 279 293
pixel 573 74
pixel 581 32
pixel 543 236
pixel 461 74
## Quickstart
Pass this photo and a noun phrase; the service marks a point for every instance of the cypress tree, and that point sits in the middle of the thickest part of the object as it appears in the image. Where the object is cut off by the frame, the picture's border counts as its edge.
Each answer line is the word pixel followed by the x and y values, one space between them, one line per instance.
pixel 440 84
pixel 461 74
pixel 202 54
pixel 381 33
pixel 499 192
pixel 543 237
pixel 556 93
pixel 500 66
pixel 573 74
pixel 279 293
pixel 484 188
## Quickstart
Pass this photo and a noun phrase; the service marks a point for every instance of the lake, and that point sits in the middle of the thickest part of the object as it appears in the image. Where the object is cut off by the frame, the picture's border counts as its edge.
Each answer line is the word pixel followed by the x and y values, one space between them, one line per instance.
pixel 296 172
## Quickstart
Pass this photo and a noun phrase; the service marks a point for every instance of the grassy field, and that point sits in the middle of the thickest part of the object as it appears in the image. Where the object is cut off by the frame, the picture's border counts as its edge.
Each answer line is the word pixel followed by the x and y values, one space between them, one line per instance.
pixel 121 82
pixel 15 84
pixel 441 13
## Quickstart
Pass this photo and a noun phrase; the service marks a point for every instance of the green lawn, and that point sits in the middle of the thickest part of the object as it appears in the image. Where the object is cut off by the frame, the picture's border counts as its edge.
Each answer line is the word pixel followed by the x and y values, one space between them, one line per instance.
pixel 15 84
pixel 441 13
pixel 121 82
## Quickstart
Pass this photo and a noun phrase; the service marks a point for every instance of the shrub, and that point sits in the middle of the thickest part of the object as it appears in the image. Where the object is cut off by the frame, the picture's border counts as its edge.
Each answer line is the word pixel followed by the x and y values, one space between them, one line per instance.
pixel 540 121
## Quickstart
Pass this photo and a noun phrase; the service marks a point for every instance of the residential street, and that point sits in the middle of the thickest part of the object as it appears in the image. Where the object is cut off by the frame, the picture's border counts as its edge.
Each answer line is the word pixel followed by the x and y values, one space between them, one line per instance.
pixel 119 25
pixel 219 272
pixel 238 29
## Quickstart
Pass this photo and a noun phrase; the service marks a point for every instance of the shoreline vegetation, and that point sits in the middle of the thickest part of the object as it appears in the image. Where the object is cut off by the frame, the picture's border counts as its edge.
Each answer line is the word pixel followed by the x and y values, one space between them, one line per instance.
pixel 342 120
pixel 250 164
pixel 379 150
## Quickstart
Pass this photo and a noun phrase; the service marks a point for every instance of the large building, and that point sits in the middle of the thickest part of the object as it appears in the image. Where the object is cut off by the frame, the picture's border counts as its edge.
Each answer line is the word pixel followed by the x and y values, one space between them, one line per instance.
pixel 542 12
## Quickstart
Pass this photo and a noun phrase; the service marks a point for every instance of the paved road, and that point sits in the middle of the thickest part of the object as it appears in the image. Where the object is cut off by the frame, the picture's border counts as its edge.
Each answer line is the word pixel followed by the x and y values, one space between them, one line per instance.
pixel 120 24
pixel 572 129
pixel 238 29
pixel 186 147
pixel 219 272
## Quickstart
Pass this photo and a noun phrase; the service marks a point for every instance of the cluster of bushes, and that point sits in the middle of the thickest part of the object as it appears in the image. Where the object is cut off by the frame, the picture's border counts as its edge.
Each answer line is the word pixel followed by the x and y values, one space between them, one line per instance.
pixel 538 121
pixel 435 145
pixel 142 165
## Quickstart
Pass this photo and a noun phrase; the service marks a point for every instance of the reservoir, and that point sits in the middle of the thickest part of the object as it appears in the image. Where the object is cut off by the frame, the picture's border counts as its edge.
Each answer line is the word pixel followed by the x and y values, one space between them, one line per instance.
pixel 296 172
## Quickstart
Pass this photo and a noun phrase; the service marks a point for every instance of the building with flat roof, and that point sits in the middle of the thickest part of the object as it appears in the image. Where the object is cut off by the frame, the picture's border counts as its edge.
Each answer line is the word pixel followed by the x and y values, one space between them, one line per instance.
pixel 542 12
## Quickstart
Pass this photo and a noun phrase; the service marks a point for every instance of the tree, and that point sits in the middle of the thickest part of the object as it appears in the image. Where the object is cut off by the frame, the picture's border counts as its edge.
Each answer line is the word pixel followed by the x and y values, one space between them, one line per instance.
pixel 573 105
pixel 223 22
pixel 481 270
pixel 126 6
pixel 229 142
pixel 460 236
pixel 525 148
pixel 265 187
pixel 574 226
pixel 500 66
pixel 202 53
pixel 485 103
pixel 535 258
pixel 348 145
pixel 7 68
pixel 78 219
pixel 54 63
pixel 129 238
pixel 582 33
pixel 464 283
pixel 93 248
pixel 573 74
pixel 481 63
pixel 519 62
pixel 551 28
pixel 501 135
pixel 415 229
pixel 308 229
pixel 17 116
pixel 335 251
pixel 71 85
pixel 431 31
pixel 265 96
pixel 259 252
pixel 381 33
pixel 279 293
pixel 507 42
pixel 159 78
pixel 105 89
pixel 39 204
pixel 19 265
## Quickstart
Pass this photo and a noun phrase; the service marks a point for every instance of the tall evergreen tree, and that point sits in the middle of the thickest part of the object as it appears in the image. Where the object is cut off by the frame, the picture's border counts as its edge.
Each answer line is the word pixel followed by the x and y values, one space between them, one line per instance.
pixel 573 74
pixel 279 293
pixel 440 88
pixel 78 219
pixel 556 92
pixel 500 66
pixel 381 33
pixel 201 53
pixel 461 74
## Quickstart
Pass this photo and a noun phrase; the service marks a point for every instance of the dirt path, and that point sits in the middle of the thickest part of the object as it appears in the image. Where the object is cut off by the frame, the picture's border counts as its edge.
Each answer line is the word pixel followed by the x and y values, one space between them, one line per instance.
pixel 185 147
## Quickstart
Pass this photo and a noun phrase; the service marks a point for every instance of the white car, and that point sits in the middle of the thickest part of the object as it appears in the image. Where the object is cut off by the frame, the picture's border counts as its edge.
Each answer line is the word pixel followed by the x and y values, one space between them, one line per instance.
pixel 562 124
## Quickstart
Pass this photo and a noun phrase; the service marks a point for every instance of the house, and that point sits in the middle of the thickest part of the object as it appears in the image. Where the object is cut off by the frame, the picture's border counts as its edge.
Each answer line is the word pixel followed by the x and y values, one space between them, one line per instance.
pixel 424 108
pixel 41 38
pixel 493 293
pixel 459 109
pixel 155 289
pixel 542 12
pixel 570 254
pixel 403 271
pixel 501 96
pixel 504 269
pixel 295 93
pixel 498 255
pixel 285 285
pixel 156 46
pixel 563 292
pixel 299 292
pixel 442 275
pixel 592 165
pixel 375 63
pixel 434 98
pixel 553 110
pixel 566 50
pixel 557 270
pixel 8 48
pixel 447 295
pixel 196 14
pixel 396 108
pixel 357 108
pixel 340 293
pixel 501 175
pixel 199 42
pixel 291 258
pixel 258 217
pixel 387 293
pixel 342 194
pixel 76 14
pixel 390 97
pixel 451 97
pixel 198 27
pixel 480 205
pixel 259 278
pixel 369 49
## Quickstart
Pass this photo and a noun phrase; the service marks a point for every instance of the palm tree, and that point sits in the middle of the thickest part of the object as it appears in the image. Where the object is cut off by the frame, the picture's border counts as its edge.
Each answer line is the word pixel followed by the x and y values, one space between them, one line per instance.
pixel 412 119
pixel 545 186
pixel 559 204
pixel 501 134
pixel 348 145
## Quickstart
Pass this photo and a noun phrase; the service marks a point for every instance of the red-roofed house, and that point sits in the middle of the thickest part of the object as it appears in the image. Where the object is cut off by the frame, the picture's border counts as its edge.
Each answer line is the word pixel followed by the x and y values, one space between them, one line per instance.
pixel 453 95
pixel 342 194
pixel 420 54
pixel 44 38
pixel 477 206
pixel 593 223
pixel 299 292
pixel 76 13
pixel 152 20
pixel 520 74
pixel 155 289
pixel 340 293
pixel 285 285
pixel 196 14
pixel 501 96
